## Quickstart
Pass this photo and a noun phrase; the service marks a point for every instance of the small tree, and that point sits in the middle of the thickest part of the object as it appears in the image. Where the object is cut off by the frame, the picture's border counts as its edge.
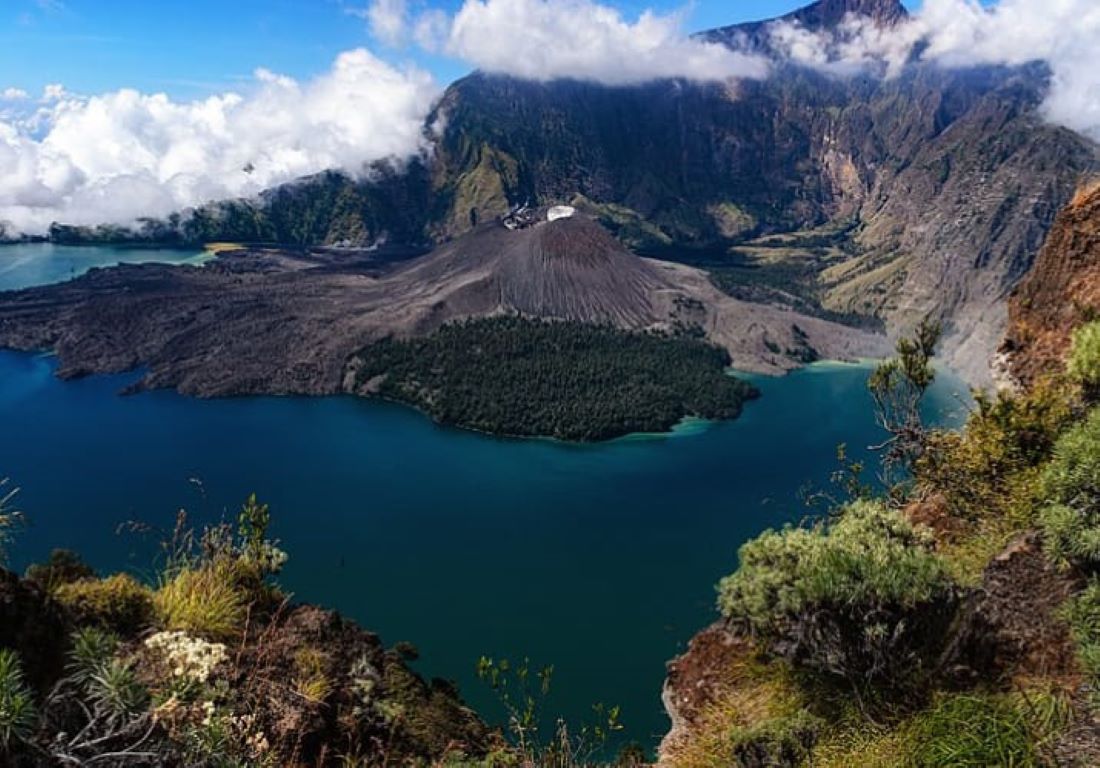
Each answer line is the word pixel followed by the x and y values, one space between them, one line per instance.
pixel 898 386
pixel 522 691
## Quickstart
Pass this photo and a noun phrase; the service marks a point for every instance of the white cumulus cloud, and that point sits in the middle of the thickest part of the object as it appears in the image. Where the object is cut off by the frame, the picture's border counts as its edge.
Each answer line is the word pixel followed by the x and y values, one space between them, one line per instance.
pixel 962 33
pixel 14 94
pixel 389 20
pixel 578 39
pixel 120 155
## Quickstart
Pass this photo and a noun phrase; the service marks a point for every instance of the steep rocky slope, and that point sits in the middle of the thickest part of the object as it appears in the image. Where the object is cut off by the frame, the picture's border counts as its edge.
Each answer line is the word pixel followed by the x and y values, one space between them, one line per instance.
pixel 1060 292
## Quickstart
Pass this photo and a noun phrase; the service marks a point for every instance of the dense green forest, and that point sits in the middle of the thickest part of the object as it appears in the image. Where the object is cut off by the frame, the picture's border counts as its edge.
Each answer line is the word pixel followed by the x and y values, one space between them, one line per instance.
pixel 571 381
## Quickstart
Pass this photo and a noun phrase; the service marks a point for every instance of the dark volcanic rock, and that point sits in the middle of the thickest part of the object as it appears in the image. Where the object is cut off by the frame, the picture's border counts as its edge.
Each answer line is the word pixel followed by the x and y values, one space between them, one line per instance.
pixel 373 703
pixel 1011 625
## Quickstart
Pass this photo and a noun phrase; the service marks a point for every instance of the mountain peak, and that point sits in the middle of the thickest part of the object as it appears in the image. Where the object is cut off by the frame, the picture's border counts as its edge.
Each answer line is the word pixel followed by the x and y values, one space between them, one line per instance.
pixel 822 15
pixel 830 13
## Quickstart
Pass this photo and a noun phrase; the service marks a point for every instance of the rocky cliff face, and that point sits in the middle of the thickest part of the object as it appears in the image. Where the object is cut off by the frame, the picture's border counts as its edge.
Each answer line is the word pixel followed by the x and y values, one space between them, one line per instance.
pixel 1060 292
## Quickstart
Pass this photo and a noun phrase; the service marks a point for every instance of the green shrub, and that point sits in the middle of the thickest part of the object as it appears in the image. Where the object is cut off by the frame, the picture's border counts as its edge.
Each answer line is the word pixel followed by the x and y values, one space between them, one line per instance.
pixel 63 567
pixel 17 713
pixel 862 598
pixel 978 730
pixel 1082 612
pixel 1071 486
pixel 92 648
pixel 115 693
pixel 780 741
pixel 1084 359
pixel 988 468
pixel 118 603
pixel 205 601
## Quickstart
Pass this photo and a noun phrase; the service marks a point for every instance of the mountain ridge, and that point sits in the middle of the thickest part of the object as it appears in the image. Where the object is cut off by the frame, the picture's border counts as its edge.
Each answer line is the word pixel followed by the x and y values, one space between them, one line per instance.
pixel 821 16
pixel 946 180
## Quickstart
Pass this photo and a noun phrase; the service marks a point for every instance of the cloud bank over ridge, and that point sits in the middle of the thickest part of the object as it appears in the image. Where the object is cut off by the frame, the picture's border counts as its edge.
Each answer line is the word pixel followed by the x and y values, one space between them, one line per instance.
pixel 117 156
pixel 120 155
pixel 962 33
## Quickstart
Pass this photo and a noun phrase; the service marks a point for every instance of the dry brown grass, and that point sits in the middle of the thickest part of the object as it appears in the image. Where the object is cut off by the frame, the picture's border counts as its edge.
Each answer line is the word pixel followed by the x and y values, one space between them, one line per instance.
pixel 753 693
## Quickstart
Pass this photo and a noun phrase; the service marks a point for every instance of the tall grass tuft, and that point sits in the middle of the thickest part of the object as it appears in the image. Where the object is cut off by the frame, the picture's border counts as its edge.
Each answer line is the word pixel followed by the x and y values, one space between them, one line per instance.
pixel 204 601
pixel 17 712
pixel 975 730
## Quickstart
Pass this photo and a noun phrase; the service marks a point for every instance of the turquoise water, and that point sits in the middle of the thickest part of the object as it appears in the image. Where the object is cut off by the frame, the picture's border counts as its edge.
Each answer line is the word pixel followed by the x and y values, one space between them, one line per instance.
pixel 600 560
pixel 24 265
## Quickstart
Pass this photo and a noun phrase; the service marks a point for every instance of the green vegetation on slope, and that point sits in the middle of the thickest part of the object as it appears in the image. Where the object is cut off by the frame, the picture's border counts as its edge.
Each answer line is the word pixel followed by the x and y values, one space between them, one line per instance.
pixel 213 669
pixel 954 623
pixel 862 598
pixel 567 380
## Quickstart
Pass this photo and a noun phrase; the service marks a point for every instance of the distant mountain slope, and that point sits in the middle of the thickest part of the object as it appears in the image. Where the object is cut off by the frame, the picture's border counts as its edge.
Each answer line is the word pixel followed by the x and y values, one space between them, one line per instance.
pixel 816 17
pixel 952 176
pixel 946 180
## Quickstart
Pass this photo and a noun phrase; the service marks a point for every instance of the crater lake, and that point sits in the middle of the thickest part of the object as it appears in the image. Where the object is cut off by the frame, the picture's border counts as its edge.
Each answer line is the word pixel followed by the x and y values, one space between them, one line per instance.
pixel 598 559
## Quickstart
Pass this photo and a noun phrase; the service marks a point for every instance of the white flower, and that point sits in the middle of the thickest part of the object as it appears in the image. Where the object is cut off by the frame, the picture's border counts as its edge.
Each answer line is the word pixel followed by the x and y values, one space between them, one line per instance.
pixel 189 657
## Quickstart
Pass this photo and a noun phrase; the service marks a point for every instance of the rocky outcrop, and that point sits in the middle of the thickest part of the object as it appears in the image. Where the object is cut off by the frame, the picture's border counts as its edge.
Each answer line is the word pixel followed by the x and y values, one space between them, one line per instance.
pixel 695 680
pixel 1061 291
pixel 1010 627
pixel 365 700
pixel 1008 631
pixel 367 683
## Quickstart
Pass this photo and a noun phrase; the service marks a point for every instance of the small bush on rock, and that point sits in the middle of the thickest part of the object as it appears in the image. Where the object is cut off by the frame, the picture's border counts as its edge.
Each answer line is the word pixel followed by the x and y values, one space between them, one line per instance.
pixel 782 741
pixel 118 603
pixel 17 712
pixel 1084 360
pixel 1071 483
pixel 1082 612
pixel 63 567
pixel 862 598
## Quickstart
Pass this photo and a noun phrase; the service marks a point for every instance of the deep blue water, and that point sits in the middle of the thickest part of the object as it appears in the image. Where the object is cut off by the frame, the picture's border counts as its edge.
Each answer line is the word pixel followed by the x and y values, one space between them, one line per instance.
pixel 24 265
pixel 600 560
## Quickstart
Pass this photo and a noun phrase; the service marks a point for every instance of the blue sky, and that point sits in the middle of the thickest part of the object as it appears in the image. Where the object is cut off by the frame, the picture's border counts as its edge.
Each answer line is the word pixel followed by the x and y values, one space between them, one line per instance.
pixel 191 48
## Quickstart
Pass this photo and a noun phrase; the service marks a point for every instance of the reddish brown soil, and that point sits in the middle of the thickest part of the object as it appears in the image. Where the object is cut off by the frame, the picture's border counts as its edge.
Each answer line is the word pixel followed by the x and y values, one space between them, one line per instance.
pixel 1061 291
